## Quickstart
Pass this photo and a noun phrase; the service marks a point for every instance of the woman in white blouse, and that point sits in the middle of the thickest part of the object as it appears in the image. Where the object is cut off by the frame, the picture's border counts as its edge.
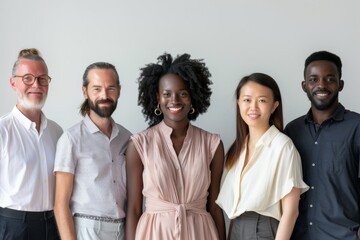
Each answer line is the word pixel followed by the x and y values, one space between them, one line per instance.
pixel 263 182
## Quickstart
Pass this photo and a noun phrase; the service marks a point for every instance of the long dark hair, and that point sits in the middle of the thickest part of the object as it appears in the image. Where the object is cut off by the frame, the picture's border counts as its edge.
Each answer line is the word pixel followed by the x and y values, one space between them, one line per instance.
pixel 242 129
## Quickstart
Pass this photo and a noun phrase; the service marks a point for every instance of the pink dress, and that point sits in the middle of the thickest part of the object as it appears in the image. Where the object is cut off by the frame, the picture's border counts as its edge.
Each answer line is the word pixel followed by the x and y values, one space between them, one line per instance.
pixel 176 187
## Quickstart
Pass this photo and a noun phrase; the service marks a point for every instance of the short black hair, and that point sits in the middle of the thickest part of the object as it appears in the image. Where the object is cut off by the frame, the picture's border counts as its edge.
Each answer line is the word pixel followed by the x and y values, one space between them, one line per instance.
pixel 193 71
pixel 324 55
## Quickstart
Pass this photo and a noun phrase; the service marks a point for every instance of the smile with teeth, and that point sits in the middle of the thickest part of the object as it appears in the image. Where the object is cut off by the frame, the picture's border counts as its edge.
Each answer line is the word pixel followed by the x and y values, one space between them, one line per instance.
pixel 321 94
pixel 35 93
pixel 175 109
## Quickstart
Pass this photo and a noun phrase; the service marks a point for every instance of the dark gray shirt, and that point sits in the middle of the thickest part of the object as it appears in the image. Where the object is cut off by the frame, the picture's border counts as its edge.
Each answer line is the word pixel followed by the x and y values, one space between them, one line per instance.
pixel 330 155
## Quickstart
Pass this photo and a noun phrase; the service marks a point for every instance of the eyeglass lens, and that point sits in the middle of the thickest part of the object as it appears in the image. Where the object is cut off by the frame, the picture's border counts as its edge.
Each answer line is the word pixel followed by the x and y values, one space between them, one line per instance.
pixel 29 79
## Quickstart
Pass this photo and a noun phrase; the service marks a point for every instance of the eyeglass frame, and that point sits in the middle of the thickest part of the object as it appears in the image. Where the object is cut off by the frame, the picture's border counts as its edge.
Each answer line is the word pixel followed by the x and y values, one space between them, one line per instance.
pixel 34 79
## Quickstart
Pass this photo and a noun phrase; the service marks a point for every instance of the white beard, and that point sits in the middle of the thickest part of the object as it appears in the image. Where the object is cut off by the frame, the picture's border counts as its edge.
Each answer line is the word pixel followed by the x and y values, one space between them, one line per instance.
pixel 27 104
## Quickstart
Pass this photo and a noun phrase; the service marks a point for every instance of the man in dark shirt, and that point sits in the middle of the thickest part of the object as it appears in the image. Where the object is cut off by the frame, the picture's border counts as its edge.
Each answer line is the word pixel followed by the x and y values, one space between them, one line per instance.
pixel 328 140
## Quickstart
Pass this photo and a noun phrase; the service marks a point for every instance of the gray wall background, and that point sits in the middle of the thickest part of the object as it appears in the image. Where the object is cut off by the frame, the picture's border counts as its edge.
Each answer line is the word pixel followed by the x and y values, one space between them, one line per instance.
pixel 235 38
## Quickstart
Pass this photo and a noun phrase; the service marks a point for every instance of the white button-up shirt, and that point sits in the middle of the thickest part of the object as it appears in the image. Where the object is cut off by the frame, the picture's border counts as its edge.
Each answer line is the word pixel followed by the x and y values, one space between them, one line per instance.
pixel 27 157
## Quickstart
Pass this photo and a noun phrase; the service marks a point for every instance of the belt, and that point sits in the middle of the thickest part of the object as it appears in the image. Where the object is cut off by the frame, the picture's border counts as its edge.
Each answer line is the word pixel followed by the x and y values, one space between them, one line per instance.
pixel 25 215
pixel 153 205
pixel 101 219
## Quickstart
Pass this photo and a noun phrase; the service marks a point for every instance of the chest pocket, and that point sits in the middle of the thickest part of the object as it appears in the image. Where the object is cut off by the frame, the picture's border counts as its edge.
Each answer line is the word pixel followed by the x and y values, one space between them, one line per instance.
pixel 335 156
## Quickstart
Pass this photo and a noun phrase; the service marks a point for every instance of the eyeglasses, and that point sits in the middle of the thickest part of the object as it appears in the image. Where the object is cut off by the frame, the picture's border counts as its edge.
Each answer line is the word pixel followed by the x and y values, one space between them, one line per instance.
pixel 29 79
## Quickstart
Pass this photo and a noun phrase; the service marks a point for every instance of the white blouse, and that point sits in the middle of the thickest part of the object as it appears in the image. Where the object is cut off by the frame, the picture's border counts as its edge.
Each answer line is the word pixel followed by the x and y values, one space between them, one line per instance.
pixel 272 171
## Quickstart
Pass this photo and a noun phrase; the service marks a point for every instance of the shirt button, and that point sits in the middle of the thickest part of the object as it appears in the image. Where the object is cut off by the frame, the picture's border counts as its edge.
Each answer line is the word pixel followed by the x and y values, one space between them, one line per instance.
pixel 112 160
pixel 312 187
pixel 310 223
pixel 316 142
pixel 313 164
pixel 311 205
pixel 114 181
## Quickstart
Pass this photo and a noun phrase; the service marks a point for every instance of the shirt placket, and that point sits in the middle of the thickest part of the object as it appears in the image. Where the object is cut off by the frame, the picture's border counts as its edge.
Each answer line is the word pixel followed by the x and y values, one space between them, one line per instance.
pixel 43 170
pixel 313 182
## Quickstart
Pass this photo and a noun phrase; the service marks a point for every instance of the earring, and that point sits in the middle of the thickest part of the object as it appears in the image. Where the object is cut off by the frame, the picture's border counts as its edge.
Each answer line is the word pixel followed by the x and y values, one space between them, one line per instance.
pixel 157 110
pixel 192 110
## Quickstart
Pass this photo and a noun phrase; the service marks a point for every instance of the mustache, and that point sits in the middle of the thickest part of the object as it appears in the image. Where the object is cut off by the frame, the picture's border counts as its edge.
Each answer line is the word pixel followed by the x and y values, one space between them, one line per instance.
pixel 105 101
pixel 321 90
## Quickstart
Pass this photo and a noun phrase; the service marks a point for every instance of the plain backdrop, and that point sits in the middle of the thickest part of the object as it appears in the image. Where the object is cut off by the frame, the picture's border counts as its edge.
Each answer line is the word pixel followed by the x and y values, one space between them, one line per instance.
pixel 235 38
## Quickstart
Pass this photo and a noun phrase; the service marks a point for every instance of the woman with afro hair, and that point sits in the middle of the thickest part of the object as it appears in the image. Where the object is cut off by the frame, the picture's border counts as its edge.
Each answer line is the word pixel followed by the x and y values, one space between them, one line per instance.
pixel 176 166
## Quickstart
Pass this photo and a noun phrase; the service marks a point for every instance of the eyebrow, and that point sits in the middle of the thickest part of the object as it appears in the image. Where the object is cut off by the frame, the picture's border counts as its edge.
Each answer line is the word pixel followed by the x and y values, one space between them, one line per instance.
pixel 265 96
pixel 170 90
pixel 106 87
pixel 315 75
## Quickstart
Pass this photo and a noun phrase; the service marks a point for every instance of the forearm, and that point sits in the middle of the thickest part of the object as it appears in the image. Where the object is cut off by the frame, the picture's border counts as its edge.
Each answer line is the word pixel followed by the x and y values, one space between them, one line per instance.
pixel 134 169
pixel 216 169
pixel 286 225
pixel 65 222
pixel 289 205
pixel 131 224
pixel 218 217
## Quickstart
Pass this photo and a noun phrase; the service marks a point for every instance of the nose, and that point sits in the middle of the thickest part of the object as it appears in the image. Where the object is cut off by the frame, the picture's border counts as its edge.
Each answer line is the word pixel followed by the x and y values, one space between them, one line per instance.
pixel 174 98
pixel 322 82
pixel 253 104
pixel 103 94
pixel 36 83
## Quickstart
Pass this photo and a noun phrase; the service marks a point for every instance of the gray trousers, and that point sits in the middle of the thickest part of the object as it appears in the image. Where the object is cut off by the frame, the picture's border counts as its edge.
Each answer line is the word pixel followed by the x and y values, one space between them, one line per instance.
pixel 253 226
pixel 87 229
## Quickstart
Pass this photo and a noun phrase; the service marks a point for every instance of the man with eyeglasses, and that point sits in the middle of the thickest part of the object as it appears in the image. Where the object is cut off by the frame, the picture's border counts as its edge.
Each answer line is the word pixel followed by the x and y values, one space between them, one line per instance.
pixel 27 151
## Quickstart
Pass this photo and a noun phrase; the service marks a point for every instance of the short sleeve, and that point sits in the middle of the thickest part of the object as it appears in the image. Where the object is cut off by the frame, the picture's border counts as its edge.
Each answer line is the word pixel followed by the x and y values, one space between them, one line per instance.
pixel 64 159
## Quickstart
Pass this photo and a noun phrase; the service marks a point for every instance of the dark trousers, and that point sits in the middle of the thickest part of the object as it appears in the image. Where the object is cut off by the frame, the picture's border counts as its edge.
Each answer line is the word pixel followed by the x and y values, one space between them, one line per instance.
pixel 21 225
pixel 253 226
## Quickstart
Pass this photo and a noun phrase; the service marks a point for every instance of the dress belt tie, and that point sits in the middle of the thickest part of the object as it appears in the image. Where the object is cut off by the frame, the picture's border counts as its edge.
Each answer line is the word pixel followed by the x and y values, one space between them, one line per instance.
pixel 159 206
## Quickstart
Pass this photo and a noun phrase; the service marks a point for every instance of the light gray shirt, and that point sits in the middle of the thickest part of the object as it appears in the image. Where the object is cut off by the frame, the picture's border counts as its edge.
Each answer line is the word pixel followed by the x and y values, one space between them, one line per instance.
pixel 98 165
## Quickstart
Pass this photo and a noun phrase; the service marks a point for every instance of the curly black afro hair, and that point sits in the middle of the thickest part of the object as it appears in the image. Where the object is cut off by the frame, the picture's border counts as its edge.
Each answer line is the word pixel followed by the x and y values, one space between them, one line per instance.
pixel 193 71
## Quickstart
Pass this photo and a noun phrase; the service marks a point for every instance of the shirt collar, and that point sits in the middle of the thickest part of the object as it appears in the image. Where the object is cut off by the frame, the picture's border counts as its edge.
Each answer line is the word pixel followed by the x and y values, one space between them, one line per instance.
pixel 27 123
pixel 338 115
pixel 268 136
pixel 166 130
pixel 94 129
